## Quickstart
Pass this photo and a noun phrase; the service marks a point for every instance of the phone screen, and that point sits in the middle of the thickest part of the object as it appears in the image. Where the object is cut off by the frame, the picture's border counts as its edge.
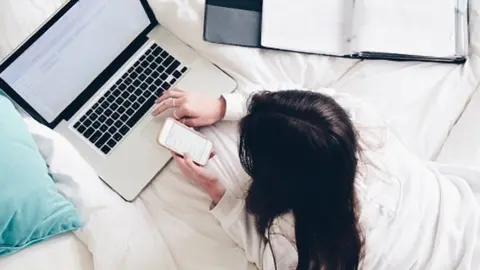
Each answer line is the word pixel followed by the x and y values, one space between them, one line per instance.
pixel 182 140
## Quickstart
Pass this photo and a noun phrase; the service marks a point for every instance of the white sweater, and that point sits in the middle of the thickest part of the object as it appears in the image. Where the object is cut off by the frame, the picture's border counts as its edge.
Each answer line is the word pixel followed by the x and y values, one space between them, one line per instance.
pixel 414 214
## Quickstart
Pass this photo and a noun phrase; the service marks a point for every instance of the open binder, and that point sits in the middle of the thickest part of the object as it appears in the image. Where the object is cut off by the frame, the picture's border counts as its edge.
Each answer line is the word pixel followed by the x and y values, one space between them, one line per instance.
pixel 405 30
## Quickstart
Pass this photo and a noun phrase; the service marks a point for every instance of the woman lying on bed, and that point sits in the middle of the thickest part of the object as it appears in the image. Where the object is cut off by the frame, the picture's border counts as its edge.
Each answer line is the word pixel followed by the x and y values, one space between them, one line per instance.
pixel 331 187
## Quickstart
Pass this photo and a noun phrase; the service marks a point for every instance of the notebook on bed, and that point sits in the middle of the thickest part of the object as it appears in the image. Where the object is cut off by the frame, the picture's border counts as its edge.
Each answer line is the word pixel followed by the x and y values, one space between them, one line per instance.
pixel 428 30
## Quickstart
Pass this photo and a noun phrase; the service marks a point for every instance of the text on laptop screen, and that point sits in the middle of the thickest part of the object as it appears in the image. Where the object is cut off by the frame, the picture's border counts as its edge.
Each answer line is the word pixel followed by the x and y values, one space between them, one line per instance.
pixel 55 70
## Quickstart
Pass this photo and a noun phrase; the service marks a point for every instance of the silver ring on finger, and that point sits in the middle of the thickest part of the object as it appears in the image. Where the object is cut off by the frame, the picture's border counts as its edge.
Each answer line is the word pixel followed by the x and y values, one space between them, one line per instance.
pixel 175 114
pixel 173 103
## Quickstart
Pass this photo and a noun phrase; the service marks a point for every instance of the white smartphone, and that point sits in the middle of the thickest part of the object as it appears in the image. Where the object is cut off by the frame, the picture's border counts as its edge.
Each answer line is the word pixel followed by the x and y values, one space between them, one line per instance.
pixel 181 139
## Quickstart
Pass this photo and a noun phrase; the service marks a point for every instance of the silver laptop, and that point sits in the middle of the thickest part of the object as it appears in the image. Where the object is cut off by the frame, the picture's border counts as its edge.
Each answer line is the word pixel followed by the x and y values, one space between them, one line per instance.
pixel 93 71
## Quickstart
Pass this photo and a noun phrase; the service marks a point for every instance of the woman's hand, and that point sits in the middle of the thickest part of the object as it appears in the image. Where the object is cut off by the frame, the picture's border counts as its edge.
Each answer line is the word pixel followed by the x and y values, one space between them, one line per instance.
pixel 193 109
pixel 201 176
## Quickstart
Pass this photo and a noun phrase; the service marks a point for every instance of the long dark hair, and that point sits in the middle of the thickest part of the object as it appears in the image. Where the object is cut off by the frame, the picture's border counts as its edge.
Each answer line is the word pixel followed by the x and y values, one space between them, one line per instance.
pixel 301 150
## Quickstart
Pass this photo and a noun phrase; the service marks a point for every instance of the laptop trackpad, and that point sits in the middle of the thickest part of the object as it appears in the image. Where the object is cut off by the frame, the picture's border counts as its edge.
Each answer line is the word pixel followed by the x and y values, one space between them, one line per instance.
pixel 152 129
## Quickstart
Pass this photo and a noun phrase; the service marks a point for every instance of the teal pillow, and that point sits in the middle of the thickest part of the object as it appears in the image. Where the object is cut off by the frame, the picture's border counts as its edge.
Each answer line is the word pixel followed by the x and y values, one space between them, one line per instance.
pixel 31 209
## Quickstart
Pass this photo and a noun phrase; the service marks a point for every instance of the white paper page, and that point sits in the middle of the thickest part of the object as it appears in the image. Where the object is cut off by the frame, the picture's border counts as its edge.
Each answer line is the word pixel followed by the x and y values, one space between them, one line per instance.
pixel 415 27
pixel 315 26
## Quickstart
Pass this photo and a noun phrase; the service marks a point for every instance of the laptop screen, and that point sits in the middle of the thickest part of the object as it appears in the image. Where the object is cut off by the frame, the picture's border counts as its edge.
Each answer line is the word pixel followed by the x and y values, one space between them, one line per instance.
pixel 59 65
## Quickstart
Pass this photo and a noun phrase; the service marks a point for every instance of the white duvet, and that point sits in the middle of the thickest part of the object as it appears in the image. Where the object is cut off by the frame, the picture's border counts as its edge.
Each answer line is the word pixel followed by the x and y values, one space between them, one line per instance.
pixel 169 227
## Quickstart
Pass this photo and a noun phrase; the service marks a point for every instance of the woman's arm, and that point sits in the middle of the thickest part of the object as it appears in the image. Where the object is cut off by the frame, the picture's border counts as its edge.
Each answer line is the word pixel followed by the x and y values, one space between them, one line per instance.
pixel 277 253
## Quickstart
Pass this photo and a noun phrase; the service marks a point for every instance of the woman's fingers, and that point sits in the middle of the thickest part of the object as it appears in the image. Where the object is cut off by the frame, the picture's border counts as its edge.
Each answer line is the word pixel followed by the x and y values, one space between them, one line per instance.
pixel 170 93
pixel 168 104
pixel 197 170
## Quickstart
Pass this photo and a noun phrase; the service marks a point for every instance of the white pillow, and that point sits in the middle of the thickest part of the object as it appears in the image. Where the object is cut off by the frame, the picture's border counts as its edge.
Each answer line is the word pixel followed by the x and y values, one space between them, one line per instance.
pixel 120 235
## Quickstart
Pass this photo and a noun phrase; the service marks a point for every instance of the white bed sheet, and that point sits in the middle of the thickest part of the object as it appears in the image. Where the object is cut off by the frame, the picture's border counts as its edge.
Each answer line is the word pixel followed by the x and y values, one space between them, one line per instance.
pixel 421 102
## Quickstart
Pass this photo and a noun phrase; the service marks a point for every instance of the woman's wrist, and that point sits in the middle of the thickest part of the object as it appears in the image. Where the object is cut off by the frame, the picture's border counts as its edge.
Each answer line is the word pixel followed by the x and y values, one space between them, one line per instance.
pixel 221 108
pixel 216 190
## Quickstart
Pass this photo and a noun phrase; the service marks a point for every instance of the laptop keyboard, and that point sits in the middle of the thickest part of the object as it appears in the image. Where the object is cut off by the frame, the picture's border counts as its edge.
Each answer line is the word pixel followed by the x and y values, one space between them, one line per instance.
pixel 127 101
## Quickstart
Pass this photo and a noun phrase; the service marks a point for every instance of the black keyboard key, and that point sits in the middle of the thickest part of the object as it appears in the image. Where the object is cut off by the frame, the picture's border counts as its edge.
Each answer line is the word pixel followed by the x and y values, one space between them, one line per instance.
pixel 144 64
pixel 135 105
pixel 102 119
pixel 101 100
pixel 155 74
pixel 150 58
pixel 148 71
pixel 141 100
pixel 122 87
pixel 81 129
pixel 121 109
pixel 184 69
pixel 99 110
pixel 108 93
pixel 152 88
pixel 139 70
pixel 111 143
pixel 157 51
pixel 124 118
pixel 143 86
pixel 177 74
pixel 114 107
pixel 103 128
pixel 117 136
pixel 141 59
pixel 164 54
pixel 130 112
pixel 95 106
pixel 153 65
pixel 124 76
pixel 158 60
pixel 87 122
pixel 89 112
pixel 105 105
pixel 118 124
pixel 96 124
pixel 93 117
pixel 109 122
pixel 166 86
pixel 111 99
pixel 102 140
pixel 149 80
pixel 137 83
pixel 125 94
pixel 119 101
pixel 158 82
pixel 116 93
pixel 76 125
pixel 161 69
pixel 146 94
pixel 88 132
pixel 115 116
pixel 173 81
pixel 127 104
pixel 108 112
pixel 134 75
pixel 130 89
pixel 106 149
pixel 124 130
pixel 112 130
pixel 141 111
pixel 158 92
pixel 128 81
pixel 142 77
pixel 138 92
pixel 173 67
pixel 132 98
pixel 130 69
pixel 163 76
pixel 83 118
pixel 168 61
pixel 94 138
